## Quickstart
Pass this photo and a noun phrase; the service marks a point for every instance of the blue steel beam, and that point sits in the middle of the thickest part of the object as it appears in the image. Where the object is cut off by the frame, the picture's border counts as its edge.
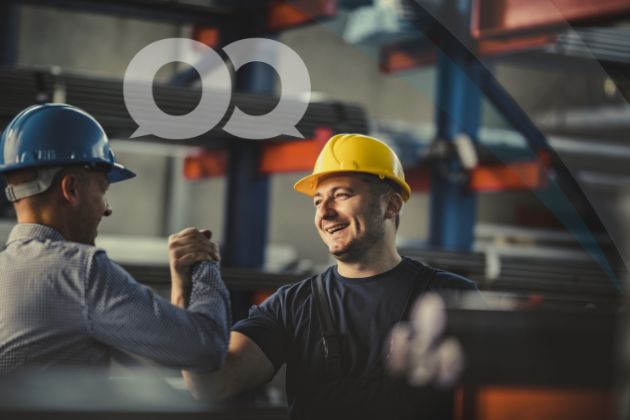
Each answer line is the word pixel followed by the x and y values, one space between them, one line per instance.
pixel 247 195
pixel 453 206
pixel 247 190
pixel 247 201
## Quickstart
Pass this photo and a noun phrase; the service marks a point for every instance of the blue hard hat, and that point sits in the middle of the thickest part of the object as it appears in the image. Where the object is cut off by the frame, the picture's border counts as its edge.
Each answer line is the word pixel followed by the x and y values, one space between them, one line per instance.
pixel 57 135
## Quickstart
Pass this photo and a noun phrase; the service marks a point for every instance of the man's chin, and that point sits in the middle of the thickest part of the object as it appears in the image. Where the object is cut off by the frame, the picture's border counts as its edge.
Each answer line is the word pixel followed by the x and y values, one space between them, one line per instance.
pixel 343 255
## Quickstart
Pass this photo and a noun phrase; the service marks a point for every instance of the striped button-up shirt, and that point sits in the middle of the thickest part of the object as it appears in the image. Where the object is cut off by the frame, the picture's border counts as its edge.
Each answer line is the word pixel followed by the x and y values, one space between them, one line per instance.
pixel 65 304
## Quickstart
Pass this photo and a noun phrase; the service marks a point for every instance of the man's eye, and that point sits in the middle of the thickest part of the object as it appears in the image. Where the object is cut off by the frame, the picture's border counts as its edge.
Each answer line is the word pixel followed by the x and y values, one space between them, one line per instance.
pixel 342 195
pixel 316 203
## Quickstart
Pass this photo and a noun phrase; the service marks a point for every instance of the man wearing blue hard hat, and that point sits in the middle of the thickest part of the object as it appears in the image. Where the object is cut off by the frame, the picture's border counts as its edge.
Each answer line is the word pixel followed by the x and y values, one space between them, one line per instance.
pixel 63 303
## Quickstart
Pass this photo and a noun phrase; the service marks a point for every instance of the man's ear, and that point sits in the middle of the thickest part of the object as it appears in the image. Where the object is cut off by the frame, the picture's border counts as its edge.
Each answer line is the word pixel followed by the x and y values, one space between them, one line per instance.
pixel 394 205
pixel 70 187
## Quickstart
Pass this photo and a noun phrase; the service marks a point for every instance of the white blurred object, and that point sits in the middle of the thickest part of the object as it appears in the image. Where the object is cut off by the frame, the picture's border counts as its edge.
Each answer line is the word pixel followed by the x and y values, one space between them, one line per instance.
pixel 418 350
pixel 450 363
pixel 399 348
pixel 493 263
pixel 380 22
pixel 466 151
pixel 428 318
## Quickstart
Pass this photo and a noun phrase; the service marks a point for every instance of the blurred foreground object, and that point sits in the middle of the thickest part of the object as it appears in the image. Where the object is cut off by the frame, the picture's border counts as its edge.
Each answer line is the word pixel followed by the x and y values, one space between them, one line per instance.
pixel 419 351
pixel 526 356
pixel 138 393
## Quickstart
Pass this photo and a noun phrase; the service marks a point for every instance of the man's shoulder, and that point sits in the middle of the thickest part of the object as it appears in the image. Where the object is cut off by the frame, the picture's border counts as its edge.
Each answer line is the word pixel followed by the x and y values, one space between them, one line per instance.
pixel 51 248
pixel 89 259
pixel 87 255
pixel 444 279
pixel 299 292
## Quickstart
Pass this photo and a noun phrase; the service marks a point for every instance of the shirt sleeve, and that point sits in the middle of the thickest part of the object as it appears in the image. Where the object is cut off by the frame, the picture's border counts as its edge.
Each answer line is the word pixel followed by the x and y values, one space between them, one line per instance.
pixel 266 326
pixel 126 315
pixel 446 281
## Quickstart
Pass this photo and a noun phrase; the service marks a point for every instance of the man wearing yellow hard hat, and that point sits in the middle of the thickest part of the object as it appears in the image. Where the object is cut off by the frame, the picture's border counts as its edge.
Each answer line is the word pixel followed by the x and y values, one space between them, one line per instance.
pixel 331 329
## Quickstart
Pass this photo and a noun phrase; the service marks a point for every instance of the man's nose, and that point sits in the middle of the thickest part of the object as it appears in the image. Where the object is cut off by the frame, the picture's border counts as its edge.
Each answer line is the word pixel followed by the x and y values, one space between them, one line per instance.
pixel 108 210
pixel 327 209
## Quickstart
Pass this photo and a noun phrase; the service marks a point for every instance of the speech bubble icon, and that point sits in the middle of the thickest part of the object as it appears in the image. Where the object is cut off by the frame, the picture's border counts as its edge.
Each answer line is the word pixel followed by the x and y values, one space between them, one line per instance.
pixel 216 90
pixel 294 98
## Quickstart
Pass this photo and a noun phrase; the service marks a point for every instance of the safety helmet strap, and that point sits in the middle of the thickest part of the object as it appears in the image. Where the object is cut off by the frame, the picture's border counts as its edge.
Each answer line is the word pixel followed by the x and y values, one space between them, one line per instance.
pixel 41 183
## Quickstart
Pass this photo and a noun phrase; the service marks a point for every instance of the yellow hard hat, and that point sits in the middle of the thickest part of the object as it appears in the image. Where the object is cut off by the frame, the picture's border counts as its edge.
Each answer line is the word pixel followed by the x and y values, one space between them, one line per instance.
pixel 355 153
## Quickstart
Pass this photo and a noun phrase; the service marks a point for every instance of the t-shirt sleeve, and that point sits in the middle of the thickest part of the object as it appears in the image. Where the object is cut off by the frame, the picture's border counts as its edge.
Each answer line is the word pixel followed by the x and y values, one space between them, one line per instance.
pixel 445 280
pixel 267 326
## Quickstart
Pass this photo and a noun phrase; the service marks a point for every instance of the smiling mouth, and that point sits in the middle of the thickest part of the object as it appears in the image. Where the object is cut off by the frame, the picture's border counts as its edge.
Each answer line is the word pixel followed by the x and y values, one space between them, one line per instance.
pixel 336 228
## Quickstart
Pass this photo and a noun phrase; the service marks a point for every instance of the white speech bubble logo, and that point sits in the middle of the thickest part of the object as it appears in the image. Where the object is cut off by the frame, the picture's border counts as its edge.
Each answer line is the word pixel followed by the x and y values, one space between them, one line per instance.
pixel 295 96
pixel 216 90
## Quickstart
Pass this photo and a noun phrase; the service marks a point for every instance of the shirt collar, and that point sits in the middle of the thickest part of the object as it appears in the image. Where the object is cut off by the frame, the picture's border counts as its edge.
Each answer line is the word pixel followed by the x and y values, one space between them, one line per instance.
pixel 33 231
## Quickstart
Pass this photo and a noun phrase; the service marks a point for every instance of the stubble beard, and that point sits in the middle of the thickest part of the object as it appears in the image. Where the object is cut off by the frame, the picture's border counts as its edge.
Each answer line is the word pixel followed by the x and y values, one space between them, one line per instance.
pixel 359 248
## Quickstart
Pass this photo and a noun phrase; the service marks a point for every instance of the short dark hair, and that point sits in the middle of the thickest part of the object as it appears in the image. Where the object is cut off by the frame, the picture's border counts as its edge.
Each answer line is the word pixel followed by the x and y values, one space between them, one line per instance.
pixel 384 186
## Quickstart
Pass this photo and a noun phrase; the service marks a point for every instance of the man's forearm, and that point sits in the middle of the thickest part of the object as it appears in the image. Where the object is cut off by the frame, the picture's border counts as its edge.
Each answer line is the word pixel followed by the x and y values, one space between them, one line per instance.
pixel 180 295
pixel 245 368
pixel 124 314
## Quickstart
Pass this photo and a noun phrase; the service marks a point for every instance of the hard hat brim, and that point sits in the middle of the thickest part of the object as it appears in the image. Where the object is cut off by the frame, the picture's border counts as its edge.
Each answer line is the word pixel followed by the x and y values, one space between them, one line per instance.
pixel 308 184
pixel 119 173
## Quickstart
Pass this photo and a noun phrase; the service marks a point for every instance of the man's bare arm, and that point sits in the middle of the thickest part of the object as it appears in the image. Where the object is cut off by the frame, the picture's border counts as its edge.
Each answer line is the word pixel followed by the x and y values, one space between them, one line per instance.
pixel 246 367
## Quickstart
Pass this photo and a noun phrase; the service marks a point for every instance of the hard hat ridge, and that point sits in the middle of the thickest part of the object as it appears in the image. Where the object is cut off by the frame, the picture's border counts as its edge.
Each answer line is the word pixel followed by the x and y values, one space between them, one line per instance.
pixel 355 153
pixel 57 135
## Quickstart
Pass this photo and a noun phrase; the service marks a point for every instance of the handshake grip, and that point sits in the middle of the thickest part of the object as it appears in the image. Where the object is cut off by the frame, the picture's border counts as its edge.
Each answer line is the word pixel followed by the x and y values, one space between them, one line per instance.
pixel 186 249
pixel 190 246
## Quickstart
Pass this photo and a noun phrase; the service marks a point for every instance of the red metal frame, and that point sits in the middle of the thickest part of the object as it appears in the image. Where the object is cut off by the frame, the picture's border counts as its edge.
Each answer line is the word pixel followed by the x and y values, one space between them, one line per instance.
pixel 293 156
pixel 513 176
pixel 531 403
pixel 276 157
pixel 491 47
pixel 502 18
pixel 412 55
pixel 529 175
pixel 510 26
pixel 406 56
pixel 286 14
pixel 300 156
pixel 207 35
pixel 206 164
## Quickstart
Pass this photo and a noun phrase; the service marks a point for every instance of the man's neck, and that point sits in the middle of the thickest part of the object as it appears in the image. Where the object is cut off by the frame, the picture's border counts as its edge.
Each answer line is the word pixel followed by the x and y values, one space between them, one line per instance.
pixel 43 218
pixel 374 262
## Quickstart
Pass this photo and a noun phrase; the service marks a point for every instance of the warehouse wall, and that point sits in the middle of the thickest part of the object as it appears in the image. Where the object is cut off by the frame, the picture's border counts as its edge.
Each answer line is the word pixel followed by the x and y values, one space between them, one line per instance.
pixel 100 45
pixel 103 45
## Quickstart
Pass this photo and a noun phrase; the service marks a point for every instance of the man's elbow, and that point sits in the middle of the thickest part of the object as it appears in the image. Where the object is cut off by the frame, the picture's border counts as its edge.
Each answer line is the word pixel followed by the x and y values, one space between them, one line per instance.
pixel 212 355
pixel 211 347
pixel 195 385
pixel 206 386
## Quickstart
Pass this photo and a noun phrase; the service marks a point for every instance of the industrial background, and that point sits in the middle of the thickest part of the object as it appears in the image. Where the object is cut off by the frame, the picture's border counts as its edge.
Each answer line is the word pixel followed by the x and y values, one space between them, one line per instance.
pixel 512 121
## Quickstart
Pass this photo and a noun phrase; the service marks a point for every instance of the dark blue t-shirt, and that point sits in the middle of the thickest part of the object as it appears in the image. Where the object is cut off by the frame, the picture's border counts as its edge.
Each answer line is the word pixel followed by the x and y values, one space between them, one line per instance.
pixel 286 328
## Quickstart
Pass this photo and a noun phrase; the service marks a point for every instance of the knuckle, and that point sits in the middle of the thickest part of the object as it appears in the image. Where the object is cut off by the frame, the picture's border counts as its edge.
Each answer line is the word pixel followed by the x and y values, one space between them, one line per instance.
pixel 187 231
